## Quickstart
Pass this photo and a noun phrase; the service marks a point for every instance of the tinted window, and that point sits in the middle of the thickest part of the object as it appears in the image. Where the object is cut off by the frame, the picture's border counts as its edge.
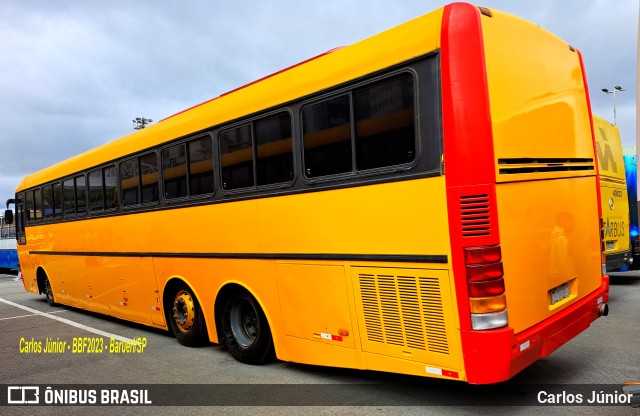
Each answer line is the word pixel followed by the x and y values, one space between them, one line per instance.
pixel 81 194
pixel 236 155
pixel 174 171
pixel 110 187
pixel 69 196
pixel 96 193
pixel 57 200
pixel 37 196
pixel 384 117
pixel 20 218
pixel 200 166
pixel 129 182
pixel 149 177
pixel 327 137
pixel 47 202
pixel 274 149
pixel 30 206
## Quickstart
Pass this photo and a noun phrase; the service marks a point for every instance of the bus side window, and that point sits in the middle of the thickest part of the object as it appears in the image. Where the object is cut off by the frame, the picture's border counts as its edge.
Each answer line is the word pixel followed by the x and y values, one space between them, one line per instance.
pixel 274 149
pixel 96 195
pixel 57 200
pixel 200 166
pixel 326 128
pixel 81 194
pixel 149 178
pixel 30 207
pixel 110 187
pixel 37 197
pixel 174 171
pixel 47 202
pixel 68 193
pixel 236 154
pixel 129 182
pixel 384 121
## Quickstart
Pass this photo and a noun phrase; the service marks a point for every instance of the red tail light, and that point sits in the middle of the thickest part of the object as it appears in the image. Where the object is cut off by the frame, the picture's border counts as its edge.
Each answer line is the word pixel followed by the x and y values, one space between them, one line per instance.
pixel 476 255
pixel 485 284
pixel 482 272
pixel 484 289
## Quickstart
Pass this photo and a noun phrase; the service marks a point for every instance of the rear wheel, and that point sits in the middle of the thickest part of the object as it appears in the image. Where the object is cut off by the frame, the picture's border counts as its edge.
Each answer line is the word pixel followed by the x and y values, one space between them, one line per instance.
pixel 187 321
pixel 48 292
pixel 245 328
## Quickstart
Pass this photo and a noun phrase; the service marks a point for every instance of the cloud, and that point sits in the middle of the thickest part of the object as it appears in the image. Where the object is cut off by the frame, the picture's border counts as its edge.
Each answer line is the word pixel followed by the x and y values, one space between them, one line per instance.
pixel 74 74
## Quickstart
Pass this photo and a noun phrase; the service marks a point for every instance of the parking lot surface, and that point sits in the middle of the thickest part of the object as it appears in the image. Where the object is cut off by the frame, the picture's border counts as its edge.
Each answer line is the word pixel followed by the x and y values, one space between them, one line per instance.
pixel 605 354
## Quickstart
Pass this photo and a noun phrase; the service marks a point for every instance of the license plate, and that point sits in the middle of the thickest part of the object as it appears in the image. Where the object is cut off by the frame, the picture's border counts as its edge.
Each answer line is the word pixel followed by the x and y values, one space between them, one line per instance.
pixel 559 293
pixel 611 245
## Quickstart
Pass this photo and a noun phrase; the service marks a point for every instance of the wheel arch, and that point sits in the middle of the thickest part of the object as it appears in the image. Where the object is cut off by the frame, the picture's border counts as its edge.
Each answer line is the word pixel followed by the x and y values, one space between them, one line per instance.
pixel 168 290
pixel 225 290
pixel 41 274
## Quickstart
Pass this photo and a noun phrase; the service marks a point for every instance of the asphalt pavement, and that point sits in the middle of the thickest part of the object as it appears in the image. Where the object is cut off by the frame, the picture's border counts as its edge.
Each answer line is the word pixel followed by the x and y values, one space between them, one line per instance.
pixel 607 354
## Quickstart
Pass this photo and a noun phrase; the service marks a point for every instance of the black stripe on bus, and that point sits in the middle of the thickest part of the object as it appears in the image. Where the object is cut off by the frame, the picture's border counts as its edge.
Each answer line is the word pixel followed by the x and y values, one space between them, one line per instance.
pixel 407 258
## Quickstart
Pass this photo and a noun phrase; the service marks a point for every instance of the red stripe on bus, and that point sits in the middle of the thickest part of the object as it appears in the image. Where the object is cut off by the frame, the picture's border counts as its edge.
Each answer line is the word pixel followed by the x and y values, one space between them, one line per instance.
pixel 469 160
pixel 593 135
pixel 468 140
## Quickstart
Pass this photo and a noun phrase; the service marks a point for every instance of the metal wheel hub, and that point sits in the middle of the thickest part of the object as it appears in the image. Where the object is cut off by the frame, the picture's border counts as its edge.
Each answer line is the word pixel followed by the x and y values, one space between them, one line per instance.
pixel 183 311
pixel 244 322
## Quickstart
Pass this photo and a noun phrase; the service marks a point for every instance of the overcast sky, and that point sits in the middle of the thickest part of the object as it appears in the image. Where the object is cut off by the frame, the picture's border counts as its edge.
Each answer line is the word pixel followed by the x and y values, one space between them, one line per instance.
pixel 73 74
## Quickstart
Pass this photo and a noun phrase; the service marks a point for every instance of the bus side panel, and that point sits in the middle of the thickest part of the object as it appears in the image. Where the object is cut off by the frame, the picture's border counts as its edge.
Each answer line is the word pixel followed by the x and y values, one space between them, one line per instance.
pixel 407 313
pixel 207 276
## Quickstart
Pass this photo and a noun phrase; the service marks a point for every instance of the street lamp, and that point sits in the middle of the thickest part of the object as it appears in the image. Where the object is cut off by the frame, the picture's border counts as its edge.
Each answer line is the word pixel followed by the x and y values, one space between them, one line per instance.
pixel 140 122
pixel 615 89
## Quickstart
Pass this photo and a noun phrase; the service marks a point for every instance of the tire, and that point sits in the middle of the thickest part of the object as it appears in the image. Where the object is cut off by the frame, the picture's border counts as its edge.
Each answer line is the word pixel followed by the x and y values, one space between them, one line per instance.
pixel 48 291
pixel 186 319
pixel 245 329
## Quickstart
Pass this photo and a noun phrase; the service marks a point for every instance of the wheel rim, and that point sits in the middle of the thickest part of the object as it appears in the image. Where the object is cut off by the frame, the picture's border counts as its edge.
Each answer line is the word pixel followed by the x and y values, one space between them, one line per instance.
pixel 183 311
pixel 244 322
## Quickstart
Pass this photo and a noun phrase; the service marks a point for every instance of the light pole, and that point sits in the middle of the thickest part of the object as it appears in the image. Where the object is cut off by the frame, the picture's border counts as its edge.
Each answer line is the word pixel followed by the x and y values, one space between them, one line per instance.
pixel 615 89
pixel 140 122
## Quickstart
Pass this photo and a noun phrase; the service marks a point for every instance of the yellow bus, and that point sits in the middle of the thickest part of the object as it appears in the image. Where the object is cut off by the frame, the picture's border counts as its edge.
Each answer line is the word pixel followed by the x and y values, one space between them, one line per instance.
pixel 613 194
pixel 404 204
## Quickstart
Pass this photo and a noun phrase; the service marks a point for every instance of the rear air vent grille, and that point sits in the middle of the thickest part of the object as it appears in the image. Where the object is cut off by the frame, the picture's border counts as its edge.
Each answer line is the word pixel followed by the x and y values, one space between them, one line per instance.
pixel 475 215
pixel 404 311
pixel 537 165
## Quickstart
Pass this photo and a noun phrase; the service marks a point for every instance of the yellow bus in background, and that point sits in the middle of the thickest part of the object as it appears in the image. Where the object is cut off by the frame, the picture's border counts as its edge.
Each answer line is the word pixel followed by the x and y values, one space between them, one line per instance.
pixel 404 204
pixel 613 194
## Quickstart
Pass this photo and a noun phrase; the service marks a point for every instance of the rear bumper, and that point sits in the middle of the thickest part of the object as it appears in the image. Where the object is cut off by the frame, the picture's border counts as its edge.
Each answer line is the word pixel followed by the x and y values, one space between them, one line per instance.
pixel 497 355
pixel 616 261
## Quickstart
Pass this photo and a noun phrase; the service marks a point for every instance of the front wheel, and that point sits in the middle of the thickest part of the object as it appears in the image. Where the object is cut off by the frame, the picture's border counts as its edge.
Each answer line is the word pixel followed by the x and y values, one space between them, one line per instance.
pixel 48 292
pixel 245 328
pixel 187 321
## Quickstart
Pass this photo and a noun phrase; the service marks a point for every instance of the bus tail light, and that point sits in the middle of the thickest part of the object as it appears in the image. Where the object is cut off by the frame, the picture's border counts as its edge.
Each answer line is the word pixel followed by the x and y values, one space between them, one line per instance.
pixel 488 288
pixel 485 284
pixel 488 305
pixel 489 320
